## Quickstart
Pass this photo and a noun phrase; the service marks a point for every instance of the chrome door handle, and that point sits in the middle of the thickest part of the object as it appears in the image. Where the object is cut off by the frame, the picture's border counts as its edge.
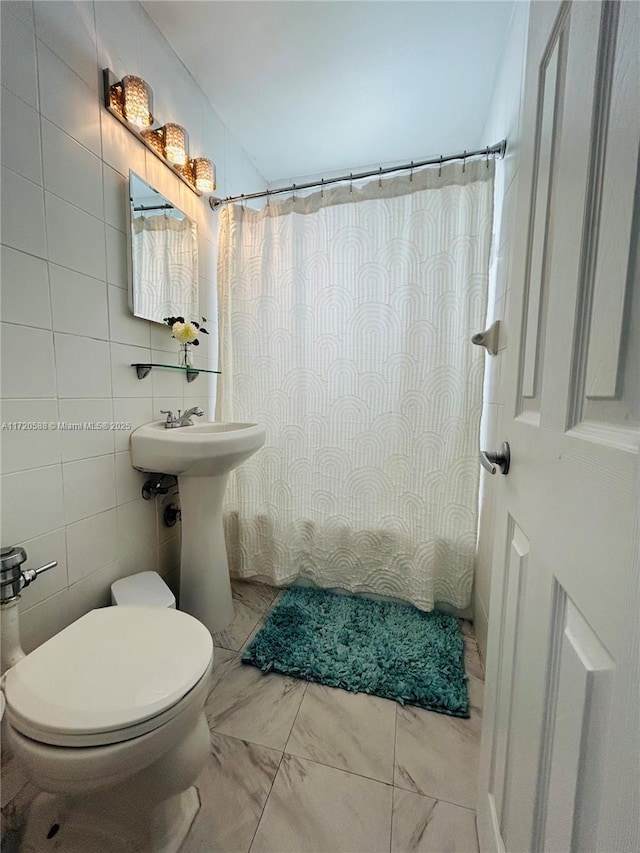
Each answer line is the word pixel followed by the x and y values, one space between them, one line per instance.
pixel 502 459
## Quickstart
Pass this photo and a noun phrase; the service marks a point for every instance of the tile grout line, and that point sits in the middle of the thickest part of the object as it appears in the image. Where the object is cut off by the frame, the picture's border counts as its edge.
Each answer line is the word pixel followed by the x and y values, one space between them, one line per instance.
pixel 393 775
pixel 273 781
pixel 275 775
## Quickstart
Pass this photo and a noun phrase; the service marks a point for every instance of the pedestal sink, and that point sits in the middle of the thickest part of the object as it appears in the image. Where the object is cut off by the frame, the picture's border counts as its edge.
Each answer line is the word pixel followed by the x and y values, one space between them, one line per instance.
pixel 201 456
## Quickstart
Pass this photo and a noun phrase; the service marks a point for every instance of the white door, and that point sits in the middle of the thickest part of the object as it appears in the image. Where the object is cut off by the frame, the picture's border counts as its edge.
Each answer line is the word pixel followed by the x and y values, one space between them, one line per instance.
pixel 566 510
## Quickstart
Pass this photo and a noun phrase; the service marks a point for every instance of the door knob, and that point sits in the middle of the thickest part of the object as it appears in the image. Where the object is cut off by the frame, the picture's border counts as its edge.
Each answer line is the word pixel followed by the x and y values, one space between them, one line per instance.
pixel 501 458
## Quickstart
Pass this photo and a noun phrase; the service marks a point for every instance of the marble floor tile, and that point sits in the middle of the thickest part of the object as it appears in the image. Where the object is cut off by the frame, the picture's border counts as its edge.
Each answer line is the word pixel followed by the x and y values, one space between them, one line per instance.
pixel 244 621
pixel 258 596
pixel 472 662
pixel 255 707
pixel 221 660
pixel 350 731
pixel 424 825
pixel 476 694
pixel 233 788
pixel 13 778
pixel 14 816
pixel 467 629
pixel 437 755
pixel 318 809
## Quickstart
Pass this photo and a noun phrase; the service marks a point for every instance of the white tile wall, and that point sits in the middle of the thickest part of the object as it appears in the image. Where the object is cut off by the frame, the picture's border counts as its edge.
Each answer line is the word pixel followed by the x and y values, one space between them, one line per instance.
pixel 68 337
pixel 27 362
pixel 18 53
pixel 57 24
pixel 89 487
pixel 31 504
pixel 77 443
pixel 76 239
pixel 83 366
pixel 24 281
pixel 22 214
pixel 21 137
pixel 29 448
pixel 78 303
pixel 71 171
pixel 92 544
pixel 136 526
pixel 67 101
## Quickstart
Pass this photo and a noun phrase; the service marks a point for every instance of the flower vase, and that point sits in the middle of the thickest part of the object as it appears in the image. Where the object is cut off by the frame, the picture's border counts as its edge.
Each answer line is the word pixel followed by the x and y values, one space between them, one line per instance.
pixel 185 355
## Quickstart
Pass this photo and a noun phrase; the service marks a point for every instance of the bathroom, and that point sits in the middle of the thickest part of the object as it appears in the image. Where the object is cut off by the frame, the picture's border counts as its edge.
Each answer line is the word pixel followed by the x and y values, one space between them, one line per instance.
pixel 69 341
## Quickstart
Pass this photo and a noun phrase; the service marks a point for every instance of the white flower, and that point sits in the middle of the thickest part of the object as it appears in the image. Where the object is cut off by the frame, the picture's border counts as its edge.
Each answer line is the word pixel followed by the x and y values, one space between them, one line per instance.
pixel 184 333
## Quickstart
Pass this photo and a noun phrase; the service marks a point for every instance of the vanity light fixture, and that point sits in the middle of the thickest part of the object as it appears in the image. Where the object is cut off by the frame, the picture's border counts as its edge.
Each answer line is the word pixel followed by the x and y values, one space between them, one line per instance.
pixel 130 100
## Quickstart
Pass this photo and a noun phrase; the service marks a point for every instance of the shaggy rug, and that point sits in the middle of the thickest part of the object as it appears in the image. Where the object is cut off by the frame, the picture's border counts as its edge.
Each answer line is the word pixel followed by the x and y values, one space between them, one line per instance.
pixel 365 646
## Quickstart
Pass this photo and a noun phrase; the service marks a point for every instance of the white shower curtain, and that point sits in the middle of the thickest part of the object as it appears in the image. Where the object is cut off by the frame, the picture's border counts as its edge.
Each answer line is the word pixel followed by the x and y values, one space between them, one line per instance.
pixel 345 325
pixel 165 266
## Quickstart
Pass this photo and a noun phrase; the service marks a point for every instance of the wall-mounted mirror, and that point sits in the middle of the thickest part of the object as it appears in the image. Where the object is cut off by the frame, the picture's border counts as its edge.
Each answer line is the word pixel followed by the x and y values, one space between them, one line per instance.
pixel 163 256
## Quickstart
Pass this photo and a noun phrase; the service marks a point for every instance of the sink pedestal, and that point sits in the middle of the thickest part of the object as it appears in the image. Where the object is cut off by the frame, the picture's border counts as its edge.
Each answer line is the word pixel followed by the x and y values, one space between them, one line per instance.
pixel 205 587
pixel 201 457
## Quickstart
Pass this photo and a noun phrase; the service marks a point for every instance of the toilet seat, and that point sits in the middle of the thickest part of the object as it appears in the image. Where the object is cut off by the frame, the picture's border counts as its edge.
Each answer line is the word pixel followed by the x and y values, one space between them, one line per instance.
pixel 115 674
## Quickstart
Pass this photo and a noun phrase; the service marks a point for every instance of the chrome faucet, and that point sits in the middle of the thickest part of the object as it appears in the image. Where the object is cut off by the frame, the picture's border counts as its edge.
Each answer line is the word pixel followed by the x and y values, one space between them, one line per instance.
pixel 181 420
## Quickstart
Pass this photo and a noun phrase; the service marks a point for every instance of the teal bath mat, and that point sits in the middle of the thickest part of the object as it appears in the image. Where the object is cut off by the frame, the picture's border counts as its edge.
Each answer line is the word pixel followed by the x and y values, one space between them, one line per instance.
pixel 378 647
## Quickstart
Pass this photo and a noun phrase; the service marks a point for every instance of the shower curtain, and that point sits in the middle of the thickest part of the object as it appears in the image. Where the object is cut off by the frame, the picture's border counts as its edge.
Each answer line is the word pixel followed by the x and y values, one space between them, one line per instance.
pixel 345 325
pixel 165 266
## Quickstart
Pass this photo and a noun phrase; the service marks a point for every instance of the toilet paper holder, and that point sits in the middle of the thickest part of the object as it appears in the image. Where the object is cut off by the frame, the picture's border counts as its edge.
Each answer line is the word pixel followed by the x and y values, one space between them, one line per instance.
pixel 488 338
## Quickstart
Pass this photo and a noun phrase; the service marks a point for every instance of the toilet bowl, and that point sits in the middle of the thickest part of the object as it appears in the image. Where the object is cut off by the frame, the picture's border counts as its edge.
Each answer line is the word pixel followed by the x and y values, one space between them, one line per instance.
pixel 107 717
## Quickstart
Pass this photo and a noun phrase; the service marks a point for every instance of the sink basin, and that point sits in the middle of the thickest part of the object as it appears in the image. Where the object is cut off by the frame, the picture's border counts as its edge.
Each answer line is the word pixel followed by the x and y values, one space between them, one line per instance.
pixel 201 456
pixel 201 450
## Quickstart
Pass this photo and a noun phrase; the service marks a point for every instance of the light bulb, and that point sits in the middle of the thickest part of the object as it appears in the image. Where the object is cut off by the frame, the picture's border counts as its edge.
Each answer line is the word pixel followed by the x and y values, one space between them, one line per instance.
pixel 176 144
pixel 204 174
pixel 137 101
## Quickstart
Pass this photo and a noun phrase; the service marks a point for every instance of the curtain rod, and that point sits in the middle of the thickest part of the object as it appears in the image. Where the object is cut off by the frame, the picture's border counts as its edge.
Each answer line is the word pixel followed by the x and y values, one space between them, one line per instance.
pixel 498 150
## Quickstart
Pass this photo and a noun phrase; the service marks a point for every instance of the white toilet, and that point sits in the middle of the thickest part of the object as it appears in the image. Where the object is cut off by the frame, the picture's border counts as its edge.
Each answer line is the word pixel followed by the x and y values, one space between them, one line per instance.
pixel 107 717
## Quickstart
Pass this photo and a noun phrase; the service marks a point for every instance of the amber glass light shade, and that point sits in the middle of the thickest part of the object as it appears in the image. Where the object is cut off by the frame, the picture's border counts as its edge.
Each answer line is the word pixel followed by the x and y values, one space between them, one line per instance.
pixel 176 144
pixel 137 101
pixel 204 174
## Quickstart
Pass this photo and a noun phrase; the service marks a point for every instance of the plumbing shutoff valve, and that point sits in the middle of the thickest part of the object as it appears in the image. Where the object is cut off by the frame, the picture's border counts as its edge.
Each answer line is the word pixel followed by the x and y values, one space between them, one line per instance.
pixel 13 578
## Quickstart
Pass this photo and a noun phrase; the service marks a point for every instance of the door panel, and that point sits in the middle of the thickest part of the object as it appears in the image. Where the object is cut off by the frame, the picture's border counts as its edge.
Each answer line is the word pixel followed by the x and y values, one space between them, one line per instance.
pixel 510 614
pixel 565 512
pixel 613 199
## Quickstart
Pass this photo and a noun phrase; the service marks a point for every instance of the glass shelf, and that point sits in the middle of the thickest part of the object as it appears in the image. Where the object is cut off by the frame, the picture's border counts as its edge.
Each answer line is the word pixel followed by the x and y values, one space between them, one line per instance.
pixel 145 369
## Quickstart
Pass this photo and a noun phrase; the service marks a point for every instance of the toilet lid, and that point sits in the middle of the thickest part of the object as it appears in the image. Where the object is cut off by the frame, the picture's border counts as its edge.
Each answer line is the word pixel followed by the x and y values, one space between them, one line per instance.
pixel 113 668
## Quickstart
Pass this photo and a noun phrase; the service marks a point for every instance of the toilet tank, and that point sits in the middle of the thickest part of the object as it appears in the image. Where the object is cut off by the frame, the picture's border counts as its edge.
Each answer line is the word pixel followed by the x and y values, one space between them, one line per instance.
pixel 144 588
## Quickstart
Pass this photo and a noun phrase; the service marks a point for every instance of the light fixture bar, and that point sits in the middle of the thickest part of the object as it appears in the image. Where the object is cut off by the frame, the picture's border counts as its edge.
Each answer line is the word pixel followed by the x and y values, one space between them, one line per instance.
pixel 153 139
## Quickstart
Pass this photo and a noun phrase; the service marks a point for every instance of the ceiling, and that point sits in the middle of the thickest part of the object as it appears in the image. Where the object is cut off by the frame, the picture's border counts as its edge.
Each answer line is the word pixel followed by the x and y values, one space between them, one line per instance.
pixel 314 87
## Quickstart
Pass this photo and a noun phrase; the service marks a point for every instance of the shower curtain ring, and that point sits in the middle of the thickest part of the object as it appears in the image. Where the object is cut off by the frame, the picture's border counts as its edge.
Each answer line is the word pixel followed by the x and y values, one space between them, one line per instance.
pixel 350 182
pixel 440 167
pixel 464 162
pixel 268 200
pixel 380 179
pixel 293 193
pixel 322 188
pixel 487 156
pixel 411 173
